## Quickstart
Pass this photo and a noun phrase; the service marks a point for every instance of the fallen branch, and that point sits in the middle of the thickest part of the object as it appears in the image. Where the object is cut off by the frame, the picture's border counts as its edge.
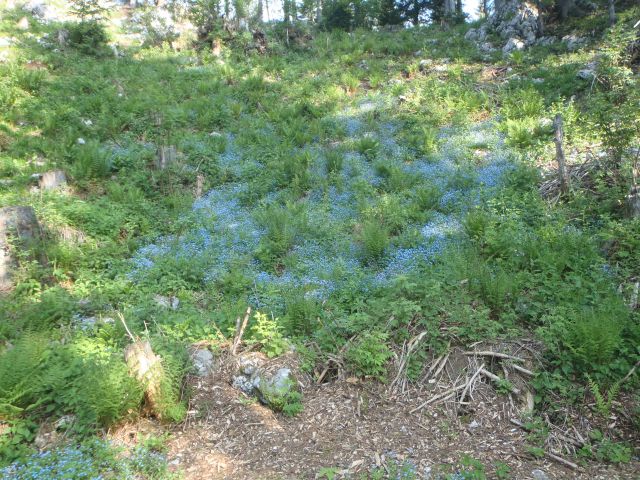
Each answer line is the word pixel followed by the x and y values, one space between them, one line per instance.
pixel 441 396
pixel 487 353
pixel 496 378
pixel 573 441
pixel 470 382
pixel 561 460
pixel 522 370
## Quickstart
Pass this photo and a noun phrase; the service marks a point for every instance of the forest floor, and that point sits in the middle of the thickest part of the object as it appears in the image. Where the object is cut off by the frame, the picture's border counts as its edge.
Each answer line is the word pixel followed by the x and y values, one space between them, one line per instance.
pixel 356 429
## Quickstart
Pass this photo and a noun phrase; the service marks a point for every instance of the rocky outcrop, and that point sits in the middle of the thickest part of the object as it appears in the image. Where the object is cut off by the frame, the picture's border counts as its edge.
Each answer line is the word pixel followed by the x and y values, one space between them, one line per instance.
pixel 515 21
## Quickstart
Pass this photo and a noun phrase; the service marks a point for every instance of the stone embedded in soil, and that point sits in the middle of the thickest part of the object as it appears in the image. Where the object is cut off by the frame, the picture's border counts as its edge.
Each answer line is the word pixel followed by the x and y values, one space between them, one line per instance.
pixel 539 475
pixel 274 390
pixel 202 361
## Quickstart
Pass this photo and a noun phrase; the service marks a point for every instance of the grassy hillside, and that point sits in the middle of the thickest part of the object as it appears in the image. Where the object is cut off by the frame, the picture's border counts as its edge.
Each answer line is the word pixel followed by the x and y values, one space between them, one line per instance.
pixel 358 189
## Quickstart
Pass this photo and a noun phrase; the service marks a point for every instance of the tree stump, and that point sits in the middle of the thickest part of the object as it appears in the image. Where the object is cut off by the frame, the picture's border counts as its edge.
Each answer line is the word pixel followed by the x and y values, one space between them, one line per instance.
pixel 146 367
pixel 18 227
pixel 52 180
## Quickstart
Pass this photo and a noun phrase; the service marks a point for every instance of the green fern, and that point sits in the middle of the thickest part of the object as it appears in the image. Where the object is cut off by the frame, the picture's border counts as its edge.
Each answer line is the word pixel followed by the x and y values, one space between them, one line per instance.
pixel 603 405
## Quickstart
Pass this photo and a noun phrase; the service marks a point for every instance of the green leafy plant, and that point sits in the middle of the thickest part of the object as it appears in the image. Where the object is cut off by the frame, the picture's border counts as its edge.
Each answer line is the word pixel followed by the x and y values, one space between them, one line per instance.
pixel 603 404
pixel 267 333
pixel 375 240
pixel 368 355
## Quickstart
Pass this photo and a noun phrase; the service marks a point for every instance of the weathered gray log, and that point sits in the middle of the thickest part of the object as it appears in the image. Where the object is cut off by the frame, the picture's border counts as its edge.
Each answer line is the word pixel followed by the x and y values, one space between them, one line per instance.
pixel 18 227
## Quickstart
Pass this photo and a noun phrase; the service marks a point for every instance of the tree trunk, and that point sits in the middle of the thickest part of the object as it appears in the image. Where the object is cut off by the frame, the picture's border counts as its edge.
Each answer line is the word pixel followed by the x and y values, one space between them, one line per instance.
pixel 612 12
pixel 449 7
pixel 565 5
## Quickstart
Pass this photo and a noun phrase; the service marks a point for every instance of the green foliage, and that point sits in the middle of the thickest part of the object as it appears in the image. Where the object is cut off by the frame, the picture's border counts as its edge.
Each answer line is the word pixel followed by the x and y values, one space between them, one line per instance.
pixel 20 373
pixel 335 161
pixel 368 355
pixel 89 37
pixel 91 459
pixel 375 240
pixel 285 123
pixel 267 333
pixel 603 405
pixel 474 469
pixel 367 146
pixel 87 9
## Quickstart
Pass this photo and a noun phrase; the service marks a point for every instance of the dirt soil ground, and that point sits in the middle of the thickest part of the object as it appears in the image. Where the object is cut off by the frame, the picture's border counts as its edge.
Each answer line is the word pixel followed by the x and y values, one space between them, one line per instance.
pixel 356 426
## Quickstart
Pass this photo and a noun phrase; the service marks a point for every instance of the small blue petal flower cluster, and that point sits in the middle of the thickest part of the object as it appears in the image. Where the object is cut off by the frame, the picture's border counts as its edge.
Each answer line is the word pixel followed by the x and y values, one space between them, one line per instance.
pixel 229 232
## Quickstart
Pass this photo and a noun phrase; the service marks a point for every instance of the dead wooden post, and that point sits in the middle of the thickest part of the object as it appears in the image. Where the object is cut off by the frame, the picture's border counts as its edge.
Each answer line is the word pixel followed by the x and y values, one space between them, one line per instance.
pixel 19 228
pixel 199 185
pixel 166 156
pixel 562 165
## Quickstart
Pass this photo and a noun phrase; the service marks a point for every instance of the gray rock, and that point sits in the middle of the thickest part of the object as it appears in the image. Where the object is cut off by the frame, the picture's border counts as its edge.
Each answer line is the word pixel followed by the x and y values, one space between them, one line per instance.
pixel 243 383
pixel 273 390
pixel 167 302
pixel 23 24
pixel 545 41
pixel 512 45
pixel 52 180
pixel 42 11
pixel 424 64
pixel 586 74
pixel 538 474
pixel 471 35
pixel 248 364
pixel 516 19
pixel 477 34
pixel 5 42
pixel 486 47
pixel 202 361
pixel 573 42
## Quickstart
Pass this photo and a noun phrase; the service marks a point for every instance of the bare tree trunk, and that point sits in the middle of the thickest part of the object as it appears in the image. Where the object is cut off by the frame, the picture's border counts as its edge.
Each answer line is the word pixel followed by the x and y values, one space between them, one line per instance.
pixel 612 12
pixel 562 166
pixel 449 8
pixel 565 5
pixel 540 8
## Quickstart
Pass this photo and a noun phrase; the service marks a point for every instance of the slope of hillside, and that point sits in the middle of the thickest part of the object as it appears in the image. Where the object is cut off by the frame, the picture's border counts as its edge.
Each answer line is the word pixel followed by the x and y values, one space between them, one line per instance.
pixel 351 254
